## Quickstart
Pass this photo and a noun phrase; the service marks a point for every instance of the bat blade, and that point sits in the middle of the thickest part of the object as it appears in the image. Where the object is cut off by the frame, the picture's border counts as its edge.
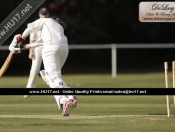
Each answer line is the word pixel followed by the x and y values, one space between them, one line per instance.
pixel 6 64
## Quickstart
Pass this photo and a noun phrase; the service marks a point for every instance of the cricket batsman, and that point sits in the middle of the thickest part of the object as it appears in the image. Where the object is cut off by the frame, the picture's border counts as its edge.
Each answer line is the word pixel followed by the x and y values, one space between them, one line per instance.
pixel 54 54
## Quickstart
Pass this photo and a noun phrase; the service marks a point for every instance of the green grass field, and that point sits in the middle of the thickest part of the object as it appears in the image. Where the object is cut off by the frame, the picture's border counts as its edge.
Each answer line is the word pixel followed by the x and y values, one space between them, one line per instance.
pixel 142 80
pixel 93 113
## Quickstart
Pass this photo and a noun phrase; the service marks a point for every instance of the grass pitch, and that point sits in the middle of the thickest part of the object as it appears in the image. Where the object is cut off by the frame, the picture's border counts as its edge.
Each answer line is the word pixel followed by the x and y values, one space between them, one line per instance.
pixel 93 113
pixel 142 80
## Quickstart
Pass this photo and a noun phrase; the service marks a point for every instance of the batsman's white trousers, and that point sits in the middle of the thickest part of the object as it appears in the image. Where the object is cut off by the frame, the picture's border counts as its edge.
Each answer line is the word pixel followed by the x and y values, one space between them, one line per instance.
pixel 35 68
pixel 54 57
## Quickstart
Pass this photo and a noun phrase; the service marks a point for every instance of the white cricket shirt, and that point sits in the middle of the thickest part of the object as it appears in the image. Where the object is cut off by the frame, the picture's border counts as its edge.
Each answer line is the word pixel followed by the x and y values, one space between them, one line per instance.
pixel 51 31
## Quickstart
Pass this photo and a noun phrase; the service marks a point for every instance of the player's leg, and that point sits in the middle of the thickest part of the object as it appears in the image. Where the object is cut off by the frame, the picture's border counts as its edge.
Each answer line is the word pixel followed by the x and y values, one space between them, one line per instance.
pixel 63 56
pixel 51 83
pixel 54 58
pixel 35 67
pixel 45 77
pixel 63 102
pixel 53 64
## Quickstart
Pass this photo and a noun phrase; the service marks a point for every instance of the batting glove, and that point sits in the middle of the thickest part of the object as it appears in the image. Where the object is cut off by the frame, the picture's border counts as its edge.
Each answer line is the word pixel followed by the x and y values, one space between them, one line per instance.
pixel 17 40
pixel 16 46
pixel 14 49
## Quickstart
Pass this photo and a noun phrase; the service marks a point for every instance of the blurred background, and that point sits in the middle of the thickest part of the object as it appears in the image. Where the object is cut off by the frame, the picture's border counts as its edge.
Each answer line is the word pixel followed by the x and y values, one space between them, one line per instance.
pixel 98 22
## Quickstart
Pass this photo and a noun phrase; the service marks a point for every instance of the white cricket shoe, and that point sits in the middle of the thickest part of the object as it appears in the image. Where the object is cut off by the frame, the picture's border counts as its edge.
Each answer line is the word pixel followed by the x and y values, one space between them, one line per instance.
pixel 26 96
pixel 67 106
pixel 74 102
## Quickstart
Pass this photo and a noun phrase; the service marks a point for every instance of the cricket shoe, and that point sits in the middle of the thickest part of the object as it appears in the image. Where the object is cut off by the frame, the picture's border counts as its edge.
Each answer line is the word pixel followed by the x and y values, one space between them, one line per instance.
pixel 26 96
pixel 74 102
pixel 67 106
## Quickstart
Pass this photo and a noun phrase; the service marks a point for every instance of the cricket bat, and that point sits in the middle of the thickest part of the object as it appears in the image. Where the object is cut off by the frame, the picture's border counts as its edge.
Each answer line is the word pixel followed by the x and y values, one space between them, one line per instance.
pixel 6 64
pixel 9 58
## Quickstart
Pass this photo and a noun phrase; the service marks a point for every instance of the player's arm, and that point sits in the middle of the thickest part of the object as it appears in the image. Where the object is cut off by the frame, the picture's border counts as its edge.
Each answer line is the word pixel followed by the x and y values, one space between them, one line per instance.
pixel 33 27
pixel 32 45
pixel 15 48
pixel 33 38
